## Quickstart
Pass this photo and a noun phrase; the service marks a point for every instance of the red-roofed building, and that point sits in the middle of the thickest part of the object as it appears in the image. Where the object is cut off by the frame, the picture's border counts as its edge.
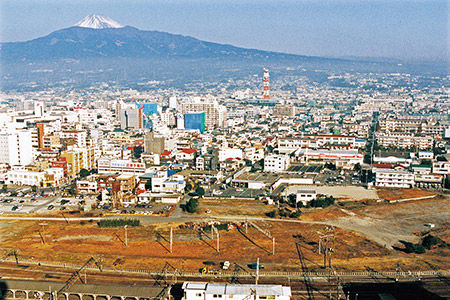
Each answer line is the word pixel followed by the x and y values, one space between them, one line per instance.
pixel 166 153
pixel 186 154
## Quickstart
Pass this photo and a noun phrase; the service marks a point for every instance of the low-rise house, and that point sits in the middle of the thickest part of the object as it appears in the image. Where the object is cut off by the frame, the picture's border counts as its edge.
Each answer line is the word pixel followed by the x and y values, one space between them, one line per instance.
pixel 441 167
pixel 305 196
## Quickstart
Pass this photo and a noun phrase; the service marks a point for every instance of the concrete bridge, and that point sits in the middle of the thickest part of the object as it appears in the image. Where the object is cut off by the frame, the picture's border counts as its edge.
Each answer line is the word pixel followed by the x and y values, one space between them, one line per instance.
pixel 23 289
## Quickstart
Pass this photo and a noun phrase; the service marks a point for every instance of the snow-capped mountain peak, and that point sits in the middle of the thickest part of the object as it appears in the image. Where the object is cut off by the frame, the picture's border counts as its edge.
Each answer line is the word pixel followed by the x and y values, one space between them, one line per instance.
pixel 98 22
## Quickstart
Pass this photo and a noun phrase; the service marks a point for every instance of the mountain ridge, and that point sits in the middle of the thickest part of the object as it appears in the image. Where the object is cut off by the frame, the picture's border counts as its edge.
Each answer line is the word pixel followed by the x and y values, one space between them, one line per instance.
pixel 79 42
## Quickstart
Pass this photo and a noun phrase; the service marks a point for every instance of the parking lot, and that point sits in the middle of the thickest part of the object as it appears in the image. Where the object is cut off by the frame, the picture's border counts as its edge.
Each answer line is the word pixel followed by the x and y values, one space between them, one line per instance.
pixel 305 169
pixel 145 209
pixel 37 204
pixel 240 193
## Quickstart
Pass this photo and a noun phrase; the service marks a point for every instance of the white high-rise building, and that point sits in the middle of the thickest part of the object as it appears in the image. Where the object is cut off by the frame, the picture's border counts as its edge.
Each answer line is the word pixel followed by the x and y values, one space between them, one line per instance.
pixel 173 103
pixel 214 113
pixel 16 148
pixel 38 108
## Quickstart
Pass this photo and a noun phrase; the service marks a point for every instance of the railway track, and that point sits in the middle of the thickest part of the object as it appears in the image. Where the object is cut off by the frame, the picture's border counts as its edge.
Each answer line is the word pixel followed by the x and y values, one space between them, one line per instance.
pixel 323 289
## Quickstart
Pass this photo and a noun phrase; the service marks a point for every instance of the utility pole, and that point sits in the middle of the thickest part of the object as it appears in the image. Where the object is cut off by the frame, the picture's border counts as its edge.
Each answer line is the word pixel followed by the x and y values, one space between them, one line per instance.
pixel 43 231
pixel 273 246
pixel 126 236
pixel 257 271
pixel 171 238
pixel 217 235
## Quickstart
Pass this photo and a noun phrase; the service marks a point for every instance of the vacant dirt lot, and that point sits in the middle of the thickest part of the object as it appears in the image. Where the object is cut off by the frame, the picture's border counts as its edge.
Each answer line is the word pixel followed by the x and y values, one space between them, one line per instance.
pixel 398 194
pixel 148 246
pixel 233 207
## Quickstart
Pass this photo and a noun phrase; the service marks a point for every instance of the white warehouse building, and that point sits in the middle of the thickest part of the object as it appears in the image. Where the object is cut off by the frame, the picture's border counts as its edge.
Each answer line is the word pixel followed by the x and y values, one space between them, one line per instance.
pixel 215 291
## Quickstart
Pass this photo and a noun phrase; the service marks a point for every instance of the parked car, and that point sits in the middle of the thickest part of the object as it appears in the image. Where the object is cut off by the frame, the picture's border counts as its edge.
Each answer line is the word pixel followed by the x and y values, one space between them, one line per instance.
pixel 254 266
pixel 50 207
pixel 226 265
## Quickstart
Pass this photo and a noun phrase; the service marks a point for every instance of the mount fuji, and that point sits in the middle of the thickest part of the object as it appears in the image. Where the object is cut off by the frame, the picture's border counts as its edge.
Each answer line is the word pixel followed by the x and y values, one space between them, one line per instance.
pixel 99 36
pixel 98 22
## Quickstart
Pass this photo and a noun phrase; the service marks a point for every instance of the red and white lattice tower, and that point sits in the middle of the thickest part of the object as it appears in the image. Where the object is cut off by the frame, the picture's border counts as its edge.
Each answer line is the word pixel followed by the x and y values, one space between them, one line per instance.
pixel 266 77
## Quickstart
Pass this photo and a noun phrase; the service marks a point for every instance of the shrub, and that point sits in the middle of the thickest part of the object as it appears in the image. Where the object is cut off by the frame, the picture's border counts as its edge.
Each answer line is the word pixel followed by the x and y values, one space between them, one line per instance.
pixel 295 214
pixel 118 222
pixel 429 241
pixel 200 191
pixel 271 214
pixel 322 202
pixel 413 248
pixel 191 206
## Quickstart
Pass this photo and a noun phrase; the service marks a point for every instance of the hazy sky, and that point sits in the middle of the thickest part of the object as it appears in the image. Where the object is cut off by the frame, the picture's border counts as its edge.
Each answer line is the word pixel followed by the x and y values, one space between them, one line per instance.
pixel 393 28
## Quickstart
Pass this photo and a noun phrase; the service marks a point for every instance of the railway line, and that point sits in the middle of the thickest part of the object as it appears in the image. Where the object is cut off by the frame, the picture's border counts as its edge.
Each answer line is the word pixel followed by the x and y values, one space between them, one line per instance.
pixel 325 288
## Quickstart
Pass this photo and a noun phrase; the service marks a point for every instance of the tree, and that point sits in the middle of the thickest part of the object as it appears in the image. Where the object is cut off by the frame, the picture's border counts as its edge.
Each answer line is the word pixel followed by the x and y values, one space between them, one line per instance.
pixel 191 206
pixel 200 191
pixel 295 214
pixel 84 173
pixel 72 189
pixel 357 167
pixel 137 151
pixel 34 189
pixel 292 199
pixel 4 188
pixel 429 241
pixel 330 166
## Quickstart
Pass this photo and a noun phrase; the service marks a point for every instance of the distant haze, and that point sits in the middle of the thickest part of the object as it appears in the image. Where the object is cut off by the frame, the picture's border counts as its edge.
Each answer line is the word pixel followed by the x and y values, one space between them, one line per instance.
pixel 416 30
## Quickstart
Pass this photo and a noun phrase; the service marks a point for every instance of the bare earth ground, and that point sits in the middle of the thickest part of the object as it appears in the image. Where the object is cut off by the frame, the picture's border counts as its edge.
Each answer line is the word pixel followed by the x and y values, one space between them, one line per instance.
pixel 398 194
pixel 360 236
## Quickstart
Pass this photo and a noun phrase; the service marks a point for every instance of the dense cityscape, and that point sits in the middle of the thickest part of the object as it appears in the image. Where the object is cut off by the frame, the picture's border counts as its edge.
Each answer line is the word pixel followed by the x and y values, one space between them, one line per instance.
pixel 267 186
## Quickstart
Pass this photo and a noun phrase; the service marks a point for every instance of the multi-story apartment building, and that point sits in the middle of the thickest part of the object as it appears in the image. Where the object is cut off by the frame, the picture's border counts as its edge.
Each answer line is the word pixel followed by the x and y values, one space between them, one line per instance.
pixel 78 136
pixel 410 125
pixel 403 141
pixel 79 158
pixel 214 113
pixel 441 167
pixel 346 159
pixel 288 145
pixel 16 148
pixel 131 118
pixel 276 163
pixel 393 178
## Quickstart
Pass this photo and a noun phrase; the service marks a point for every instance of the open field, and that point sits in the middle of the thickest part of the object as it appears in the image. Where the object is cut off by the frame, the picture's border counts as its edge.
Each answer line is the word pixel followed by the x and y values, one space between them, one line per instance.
pixel 75 243
pixel 363 235
pixel 398 194
pixel 227 206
